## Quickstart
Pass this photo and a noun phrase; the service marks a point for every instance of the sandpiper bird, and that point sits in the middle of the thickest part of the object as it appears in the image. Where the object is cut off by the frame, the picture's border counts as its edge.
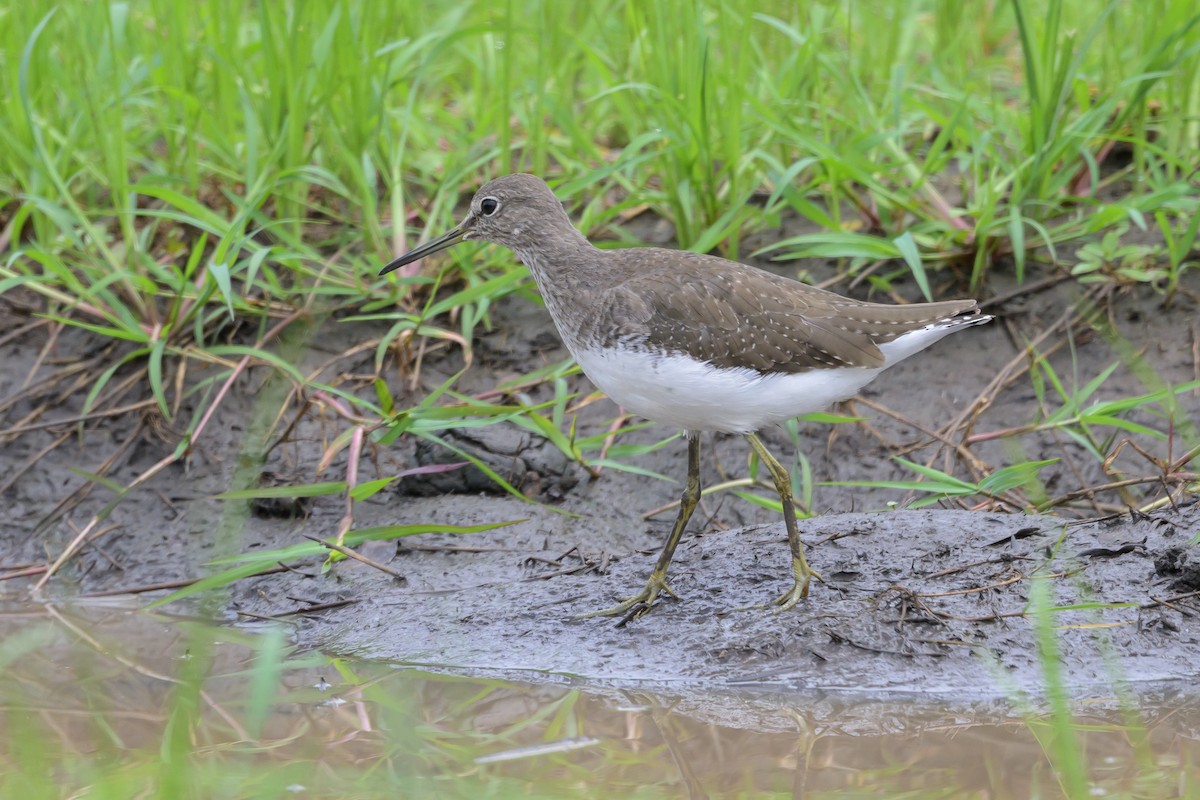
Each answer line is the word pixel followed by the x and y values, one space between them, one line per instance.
pixel 697 341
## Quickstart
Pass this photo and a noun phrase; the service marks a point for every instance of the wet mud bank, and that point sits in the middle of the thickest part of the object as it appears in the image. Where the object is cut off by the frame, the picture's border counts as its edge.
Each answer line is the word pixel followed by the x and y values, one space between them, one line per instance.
pixel 926 602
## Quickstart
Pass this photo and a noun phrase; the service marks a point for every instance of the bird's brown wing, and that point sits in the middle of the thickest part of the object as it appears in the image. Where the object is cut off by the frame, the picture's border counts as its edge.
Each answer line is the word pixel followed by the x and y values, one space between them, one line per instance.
pixel 732 315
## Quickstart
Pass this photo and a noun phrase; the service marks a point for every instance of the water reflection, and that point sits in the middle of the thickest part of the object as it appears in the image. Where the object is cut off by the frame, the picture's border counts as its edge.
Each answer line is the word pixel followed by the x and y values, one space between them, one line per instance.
pixel 117 702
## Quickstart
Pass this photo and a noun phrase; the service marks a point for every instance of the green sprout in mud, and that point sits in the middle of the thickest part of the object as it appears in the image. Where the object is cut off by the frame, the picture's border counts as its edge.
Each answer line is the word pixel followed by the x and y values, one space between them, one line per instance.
pixel 1160 264
pixel 1109 260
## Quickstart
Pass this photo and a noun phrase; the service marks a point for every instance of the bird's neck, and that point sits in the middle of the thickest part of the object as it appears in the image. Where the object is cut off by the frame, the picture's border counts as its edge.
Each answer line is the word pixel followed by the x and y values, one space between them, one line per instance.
pixel 557 262
pixel 556 258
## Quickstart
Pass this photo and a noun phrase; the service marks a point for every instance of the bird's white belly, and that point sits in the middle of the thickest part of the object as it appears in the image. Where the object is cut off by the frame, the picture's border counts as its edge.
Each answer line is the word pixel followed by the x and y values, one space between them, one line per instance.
pixel 696 396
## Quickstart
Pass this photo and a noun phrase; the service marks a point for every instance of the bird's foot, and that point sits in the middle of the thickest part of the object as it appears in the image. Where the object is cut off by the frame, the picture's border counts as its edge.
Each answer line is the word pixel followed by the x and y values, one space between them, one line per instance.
pixel 803 574
pixel 799 591
pixel 635 606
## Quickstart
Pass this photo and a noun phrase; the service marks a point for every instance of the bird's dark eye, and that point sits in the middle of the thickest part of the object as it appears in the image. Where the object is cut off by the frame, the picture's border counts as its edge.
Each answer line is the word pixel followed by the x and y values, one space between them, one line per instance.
pixel 489 206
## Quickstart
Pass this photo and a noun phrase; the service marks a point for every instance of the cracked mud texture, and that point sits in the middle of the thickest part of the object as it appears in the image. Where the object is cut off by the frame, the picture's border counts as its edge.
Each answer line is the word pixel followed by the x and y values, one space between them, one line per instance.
pixel 916 603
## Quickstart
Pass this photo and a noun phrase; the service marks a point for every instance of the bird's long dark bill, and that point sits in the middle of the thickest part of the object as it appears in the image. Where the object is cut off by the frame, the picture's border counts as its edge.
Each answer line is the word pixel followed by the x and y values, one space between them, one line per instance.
pixel 448 239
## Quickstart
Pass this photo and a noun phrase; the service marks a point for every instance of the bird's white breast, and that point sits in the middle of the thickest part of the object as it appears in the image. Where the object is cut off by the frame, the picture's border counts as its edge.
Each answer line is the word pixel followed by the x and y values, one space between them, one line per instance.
pixel 690 394
pixel 696 396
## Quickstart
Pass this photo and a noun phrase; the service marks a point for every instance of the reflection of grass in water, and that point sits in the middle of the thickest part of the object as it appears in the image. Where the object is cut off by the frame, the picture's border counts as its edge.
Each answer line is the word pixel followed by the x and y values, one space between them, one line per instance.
pixel 255 723
pixel 1055 720
pixel 235 714
pixel 1058 738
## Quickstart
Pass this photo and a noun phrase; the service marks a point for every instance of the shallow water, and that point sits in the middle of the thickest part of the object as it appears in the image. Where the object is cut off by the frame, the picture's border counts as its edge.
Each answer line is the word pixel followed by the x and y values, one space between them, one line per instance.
pixel 113 701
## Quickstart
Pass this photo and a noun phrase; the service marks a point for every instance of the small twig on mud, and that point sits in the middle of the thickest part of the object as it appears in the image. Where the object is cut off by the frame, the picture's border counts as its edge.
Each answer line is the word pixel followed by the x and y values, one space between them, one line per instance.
pixel 264 617
pixel 77 497
pixel 908 598
pixel 1186 458
pixel 975 590
pixel 996 617
pixel 455 548
pixel 296 570
pixel 93 542
pixel 838 535
pixel 708 491
pixel 1168 601
pixel 54 423
pixel 574 598
pixel 865 424
pixel 736 483
pixel 25 572
pixel 543 576
pixel 180 584
pixel 46 385
pixel 312 608
pixel 1170 605
pixel 950 642
pixel 348 553
pixel 1024 290
pixel 1195 328
pixel 13 335
pixel 974 463
pixel 306 402
pixel 33 460
pixel 712 520
pixel 1004 559
pixel 1069 459
pixel 22 565
pixel 1090 491
pixel 47 349
pixel 536 559
pixel 64 506
pixel 838 638
pixel 609 440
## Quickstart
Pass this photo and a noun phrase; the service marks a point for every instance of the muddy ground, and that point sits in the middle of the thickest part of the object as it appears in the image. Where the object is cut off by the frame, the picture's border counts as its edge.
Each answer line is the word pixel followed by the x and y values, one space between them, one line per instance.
pixel 915 603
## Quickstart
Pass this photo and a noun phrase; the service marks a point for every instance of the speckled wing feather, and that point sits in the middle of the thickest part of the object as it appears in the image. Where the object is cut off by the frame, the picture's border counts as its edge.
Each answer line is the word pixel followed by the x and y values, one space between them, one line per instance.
pixel 732 315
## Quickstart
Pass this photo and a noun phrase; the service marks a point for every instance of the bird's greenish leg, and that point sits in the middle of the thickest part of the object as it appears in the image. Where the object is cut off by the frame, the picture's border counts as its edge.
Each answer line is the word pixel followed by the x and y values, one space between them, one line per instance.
pixel 640 603
pixel 801 572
